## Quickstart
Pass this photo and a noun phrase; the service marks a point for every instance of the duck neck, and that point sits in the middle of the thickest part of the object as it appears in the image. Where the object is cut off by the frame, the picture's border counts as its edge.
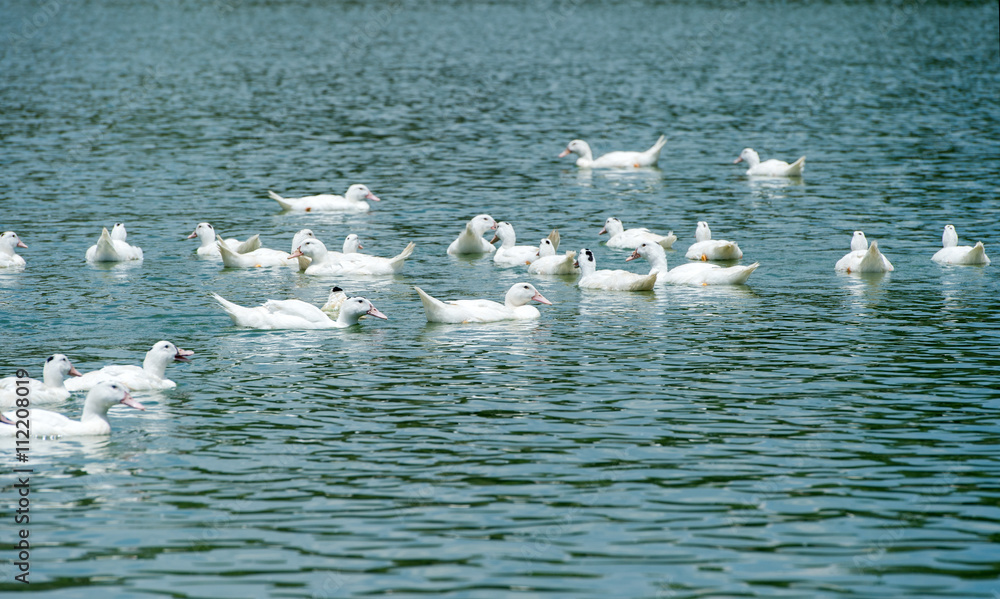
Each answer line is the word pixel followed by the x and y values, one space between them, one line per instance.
pixel 319 256
pixel 657 263
pixel 207 239
pixel 92 410
pixel 703 234
pixel 52 376
pixel 950 238
pixel 511 301
pixel 154 365
pixel 587 267
pixel 346 318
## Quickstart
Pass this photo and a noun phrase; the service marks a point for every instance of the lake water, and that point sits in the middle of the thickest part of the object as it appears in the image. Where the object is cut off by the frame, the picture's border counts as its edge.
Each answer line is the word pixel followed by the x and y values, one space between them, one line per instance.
pixel 811 434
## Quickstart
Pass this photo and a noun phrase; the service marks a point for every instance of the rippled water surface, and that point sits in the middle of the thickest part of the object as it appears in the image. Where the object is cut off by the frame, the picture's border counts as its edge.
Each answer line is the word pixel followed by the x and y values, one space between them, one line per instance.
pixel 810 434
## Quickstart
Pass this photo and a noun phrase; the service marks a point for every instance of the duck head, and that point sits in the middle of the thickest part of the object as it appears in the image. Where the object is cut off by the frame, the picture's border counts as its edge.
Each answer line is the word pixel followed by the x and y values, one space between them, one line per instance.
pixel 950 236
pixel 312 248
pixel 522 293
pixel 358 192
pixel 352 243
pixel 481 224
pixel 612 227
pixel 504 234
pixel 859 242
pixel 750 156
pixel 702 233
pixel 118 232
pixel 9 240
pixel 578 147
pixel 355 308
pixel 57 368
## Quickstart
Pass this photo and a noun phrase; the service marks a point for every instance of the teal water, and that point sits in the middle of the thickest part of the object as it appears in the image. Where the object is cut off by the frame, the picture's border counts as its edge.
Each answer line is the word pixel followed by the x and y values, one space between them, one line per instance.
pixel 811 434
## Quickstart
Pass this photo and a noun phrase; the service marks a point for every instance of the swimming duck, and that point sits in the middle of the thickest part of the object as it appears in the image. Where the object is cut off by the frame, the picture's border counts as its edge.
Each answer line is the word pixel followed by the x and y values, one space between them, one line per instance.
pixel 610 280
pixel 952 253
pixel 631 238
pixel 692 273
pixel 770 168
pixel 8 255
pixel 150 376
pixel 548 263
pixel 94 420
pixel 511 254
pixel 471 241
pixel 297 314
pixel 112 247
pixel 514 307
pixel 259 257
pixel 208 248
pixel 706 248
pixel 614 159
pixel 51 389
pixel 863 258
pixel 352 201
pixel 325 262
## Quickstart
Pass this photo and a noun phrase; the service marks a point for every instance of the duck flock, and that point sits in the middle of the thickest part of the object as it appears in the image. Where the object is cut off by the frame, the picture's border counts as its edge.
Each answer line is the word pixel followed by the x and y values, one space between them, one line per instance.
pixel 111 385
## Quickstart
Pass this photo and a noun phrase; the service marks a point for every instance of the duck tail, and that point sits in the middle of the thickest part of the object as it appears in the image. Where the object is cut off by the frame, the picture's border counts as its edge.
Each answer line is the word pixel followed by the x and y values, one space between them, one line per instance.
pixel 432 306
pixel 977 255
pixel 229 257
pixel 655 150
pixel 746 272
pixel 873 261
pixel 795 169
pixel 285 204
pixel 104 251
pixel 249 245
pixel 230 308
pixel 397 261
pixel 554 238
pixel 668 241
pixel 645 283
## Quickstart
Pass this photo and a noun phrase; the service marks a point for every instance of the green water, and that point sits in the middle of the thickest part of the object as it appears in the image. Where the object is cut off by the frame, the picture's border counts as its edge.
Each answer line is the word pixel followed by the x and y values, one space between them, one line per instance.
pixel 811 434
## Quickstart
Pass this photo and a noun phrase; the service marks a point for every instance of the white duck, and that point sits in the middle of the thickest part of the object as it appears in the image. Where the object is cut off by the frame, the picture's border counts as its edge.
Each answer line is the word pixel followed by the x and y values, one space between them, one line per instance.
pixel 208 248
pixel 549 263
pixel 863 258
pixel 259 257
pixel 514 307
pixel 614 159
pixel 297 314
pixel 471 240
pixel 51 389
pixel 770 168
pixel 8 255
pixel 94 420
pixel 692 273
pixel 611 280
pixel 631 238
pixel 112 247
pixel 706 248
pixel 325 262
pixel 352 201
pixel 150 376
pixel 297 240
pixel 952 253
pixel 511 254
